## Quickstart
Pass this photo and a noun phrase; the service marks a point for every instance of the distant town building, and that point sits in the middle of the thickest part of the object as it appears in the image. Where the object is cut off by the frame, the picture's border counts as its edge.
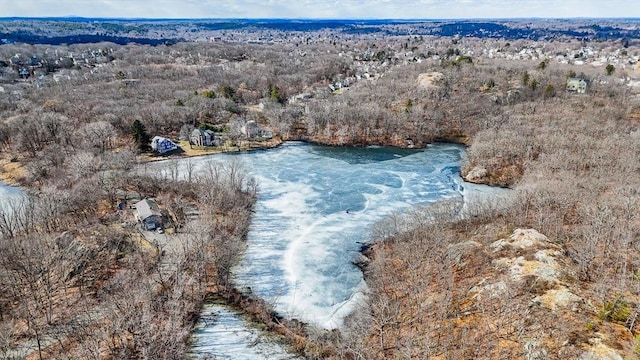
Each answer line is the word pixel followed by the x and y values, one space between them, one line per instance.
pixel 577 85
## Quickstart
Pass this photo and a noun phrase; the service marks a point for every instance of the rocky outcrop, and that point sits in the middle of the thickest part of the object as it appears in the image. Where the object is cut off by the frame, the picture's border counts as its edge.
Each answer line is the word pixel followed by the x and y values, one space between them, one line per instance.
pixel 528 254
pixel 561 298
pixel 599 351
pixel 532 271
pixel 476 175
pixel 431 81
pixel 534 256
pixel 523 239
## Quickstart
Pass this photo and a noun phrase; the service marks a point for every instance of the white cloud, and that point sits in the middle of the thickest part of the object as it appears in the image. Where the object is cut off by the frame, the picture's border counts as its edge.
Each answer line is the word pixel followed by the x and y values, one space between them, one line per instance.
pixel 321 8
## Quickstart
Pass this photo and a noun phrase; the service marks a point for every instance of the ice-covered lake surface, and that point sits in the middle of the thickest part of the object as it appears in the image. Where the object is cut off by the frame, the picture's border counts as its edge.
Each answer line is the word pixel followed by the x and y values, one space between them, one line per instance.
pixel 8 195
pixel 316 208
pixel 222 334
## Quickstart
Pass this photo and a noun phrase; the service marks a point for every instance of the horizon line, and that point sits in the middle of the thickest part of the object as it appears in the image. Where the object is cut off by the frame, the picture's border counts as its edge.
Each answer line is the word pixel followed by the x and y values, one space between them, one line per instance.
pixel 74 17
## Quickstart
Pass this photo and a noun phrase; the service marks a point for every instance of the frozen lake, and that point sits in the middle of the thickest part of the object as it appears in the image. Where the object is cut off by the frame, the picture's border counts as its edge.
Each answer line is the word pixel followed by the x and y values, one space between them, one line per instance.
pixel 9 194
pixel 316 207
pixel 222 334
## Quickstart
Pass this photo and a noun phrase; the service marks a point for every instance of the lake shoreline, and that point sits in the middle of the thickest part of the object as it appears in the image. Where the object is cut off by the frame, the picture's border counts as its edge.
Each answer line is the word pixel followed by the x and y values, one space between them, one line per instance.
pixel 262 314
pixel 256 308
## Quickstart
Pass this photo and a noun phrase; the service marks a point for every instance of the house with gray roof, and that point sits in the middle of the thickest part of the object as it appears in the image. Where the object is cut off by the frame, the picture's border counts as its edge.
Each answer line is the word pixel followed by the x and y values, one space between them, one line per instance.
pixel 253 131
pixel 148 214
pixel 201 137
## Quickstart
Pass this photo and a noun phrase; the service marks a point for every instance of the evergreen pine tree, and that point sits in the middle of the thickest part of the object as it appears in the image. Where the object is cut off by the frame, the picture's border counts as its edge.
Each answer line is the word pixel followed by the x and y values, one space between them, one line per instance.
pixel 140 135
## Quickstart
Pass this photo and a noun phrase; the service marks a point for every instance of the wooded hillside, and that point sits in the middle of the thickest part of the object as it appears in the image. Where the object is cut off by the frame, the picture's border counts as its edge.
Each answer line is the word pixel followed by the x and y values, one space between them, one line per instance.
pixel 77 281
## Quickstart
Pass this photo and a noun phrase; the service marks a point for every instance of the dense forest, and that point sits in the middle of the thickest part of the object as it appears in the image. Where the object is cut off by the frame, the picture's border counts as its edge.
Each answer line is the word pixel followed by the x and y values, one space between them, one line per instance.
pixel 77 281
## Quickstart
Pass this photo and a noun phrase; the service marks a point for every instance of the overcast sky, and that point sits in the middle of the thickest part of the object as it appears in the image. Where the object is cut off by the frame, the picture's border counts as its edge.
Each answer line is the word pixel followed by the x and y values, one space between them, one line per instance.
pixel 334 9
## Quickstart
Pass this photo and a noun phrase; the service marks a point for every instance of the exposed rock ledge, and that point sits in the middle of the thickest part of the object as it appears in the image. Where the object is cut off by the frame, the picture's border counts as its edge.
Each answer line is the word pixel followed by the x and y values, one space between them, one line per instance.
pixel 476 175
pixel 528 258
pixel 431 80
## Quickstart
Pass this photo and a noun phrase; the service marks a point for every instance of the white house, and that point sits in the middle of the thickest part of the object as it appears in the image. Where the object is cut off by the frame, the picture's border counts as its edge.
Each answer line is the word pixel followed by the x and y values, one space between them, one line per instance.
pixel 577 85
pixel 162 145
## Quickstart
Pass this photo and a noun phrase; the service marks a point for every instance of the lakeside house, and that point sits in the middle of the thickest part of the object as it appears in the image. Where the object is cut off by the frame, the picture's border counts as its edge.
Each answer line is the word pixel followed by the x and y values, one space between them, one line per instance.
pixel 148 214
pixel 253 131
pixel 162 145
pixel 201 137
